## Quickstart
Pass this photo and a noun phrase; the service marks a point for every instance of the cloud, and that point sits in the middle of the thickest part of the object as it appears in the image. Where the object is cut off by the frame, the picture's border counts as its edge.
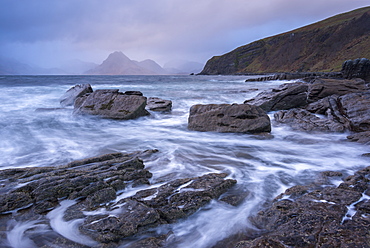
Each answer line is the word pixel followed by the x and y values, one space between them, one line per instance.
pixel 157 29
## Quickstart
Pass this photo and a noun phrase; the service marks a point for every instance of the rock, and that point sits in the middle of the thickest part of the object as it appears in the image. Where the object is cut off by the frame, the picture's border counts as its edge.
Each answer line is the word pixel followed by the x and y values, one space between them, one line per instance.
pixel 301 119
pixel 226 118
pixel 317 216
pixel 70 96
pixel 320 88
pixel 362 137
pixel 286 96
pixel 88 189
pixel 356 108
pixel 297 75
pixel 358 68
pixel 158 104
pixel 300 94
pixel 111 104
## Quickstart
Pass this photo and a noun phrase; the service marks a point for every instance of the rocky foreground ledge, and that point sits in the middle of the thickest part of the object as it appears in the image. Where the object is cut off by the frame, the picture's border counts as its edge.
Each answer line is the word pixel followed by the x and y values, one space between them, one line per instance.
pixel 317 215
pixel 88 192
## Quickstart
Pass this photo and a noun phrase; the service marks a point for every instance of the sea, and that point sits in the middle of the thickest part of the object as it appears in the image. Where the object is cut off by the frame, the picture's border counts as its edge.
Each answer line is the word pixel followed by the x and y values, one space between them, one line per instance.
pixel 264 166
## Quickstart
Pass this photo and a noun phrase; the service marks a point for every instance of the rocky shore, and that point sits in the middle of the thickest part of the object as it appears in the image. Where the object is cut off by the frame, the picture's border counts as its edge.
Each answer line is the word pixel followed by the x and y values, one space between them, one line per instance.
pixel 91 192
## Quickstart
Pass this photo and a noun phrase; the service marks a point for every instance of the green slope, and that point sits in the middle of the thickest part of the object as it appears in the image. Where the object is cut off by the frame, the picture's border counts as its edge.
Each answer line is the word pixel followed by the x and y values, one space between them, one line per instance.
pixel 322 46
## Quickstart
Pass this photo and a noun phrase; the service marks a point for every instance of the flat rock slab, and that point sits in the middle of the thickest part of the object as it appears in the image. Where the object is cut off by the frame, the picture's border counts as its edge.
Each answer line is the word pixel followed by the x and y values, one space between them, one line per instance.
pixel 317 216
pixel 228 118
pixel 111 104
pixel 88 192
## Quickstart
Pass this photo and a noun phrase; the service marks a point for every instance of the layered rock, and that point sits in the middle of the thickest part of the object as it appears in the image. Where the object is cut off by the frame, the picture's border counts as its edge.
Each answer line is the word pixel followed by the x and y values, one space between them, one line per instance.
pixel 86 191
pixel 317 215
pixel 111 104
pixel 300 94
pixel 358 68
pixel 226 118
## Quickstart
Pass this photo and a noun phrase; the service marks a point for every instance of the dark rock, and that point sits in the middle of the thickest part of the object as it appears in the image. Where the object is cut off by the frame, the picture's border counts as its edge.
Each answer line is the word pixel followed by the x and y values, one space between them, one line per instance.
pixel 226 118
pixel 286 96
pixel 90 187
pixel 299 94
pixel 133 93
pixel 358 68
pixel 111 104
pixel 362 137
pixel 317 216
pixel 70 96
pixel 320 88
pixel 158 104
pixel 300 119
pixel 356 108
pixel 293 76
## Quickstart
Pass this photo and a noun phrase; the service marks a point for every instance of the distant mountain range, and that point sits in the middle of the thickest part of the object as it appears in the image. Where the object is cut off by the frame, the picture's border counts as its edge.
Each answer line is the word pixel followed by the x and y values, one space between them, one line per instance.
pixel 322 46
pixel 116 64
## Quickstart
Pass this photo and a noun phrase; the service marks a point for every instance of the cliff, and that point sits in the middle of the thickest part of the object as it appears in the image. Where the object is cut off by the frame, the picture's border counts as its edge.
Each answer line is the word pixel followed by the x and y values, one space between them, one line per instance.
pixel 319 47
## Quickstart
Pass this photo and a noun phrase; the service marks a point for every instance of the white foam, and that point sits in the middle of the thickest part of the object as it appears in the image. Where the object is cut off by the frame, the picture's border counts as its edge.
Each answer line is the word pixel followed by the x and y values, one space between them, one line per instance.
pixel 68 229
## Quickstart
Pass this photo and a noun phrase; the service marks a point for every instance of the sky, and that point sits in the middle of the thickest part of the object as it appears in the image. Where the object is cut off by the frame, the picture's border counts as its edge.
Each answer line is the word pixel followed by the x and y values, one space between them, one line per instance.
pixel 49 33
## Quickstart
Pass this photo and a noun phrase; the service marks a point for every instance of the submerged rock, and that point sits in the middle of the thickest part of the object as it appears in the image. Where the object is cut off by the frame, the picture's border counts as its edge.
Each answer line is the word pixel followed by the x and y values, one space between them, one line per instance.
pixel 228 118
pixel 111 104
pixel 317 216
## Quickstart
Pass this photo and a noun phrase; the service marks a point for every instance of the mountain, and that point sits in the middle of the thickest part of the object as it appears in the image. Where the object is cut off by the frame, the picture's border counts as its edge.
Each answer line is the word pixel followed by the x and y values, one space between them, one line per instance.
pixel 322 46
pixel 119 64
pixel 10 66
pixel 151 65
pixel 183 67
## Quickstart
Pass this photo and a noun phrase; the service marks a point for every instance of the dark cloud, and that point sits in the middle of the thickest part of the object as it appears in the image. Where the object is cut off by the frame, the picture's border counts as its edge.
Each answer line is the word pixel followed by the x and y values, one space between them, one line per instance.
pixel 157 29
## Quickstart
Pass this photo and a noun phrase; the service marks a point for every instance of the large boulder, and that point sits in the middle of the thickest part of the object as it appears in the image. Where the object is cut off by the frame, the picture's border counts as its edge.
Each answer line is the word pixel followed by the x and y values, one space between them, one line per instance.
pixel 317 215
pixel 112 104
pixel 73 93
pixel 228 118
pixel 358 68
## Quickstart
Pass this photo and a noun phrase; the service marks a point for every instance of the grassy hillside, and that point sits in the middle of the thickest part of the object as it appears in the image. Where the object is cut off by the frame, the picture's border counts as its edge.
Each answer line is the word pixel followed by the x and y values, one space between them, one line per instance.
pixel 322 46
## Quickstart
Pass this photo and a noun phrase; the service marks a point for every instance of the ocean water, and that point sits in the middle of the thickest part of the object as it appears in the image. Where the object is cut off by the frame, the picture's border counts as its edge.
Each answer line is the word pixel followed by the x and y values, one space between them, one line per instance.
pixel 263 167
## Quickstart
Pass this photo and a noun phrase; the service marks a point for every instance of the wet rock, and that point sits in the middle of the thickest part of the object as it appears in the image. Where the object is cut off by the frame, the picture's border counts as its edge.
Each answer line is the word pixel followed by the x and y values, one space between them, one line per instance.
pixel 158 104
pixel 300 94
pixel 111 104
pixel 317 216
pixel 358 68
pixel 149 208
pixel 303 120
pixel 286 96
pixel 297 75
pixel 362 137
pixel 73 93
pixel 85 192
pixel 226 118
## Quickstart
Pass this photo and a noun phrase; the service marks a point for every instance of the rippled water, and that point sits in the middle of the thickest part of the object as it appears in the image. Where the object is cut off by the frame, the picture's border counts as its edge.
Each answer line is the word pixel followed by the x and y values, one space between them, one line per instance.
pixel 263 167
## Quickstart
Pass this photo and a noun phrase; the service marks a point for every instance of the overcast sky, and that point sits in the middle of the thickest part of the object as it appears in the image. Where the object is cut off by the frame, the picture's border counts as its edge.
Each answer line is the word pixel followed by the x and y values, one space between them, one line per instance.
pixel 49 32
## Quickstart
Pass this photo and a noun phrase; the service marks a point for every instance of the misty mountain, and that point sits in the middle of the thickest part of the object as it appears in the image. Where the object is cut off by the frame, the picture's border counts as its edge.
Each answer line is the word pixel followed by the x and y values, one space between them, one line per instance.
pixel 119 64
pixel 76 66
pixel 151 65
pixel 322 46
pixel 183 67
pixel 14 67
